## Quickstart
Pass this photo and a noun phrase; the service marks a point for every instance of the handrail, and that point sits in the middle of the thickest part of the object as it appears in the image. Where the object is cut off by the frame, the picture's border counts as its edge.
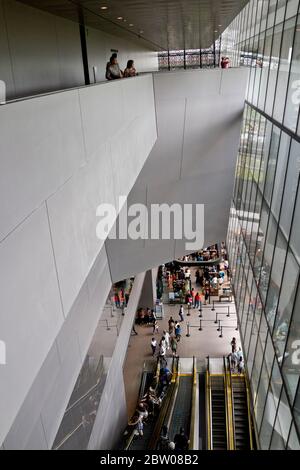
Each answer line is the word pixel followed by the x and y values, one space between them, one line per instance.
pixel 249 412
pixel 230 401
pixel 165 408
pixel 208 409
pixel 141 393
pixel 193 407
pixel 227 414
pixel 173 399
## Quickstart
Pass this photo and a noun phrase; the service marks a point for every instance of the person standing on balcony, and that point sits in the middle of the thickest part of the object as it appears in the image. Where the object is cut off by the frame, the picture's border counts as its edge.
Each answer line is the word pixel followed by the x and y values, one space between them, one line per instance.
pixel 130 70
pixel 113 71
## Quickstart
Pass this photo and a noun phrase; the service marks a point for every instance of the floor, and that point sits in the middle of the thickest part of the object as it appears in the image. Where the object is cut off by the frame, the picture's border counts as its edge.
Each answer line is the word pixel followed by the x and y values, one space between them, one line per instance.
pixel 199 344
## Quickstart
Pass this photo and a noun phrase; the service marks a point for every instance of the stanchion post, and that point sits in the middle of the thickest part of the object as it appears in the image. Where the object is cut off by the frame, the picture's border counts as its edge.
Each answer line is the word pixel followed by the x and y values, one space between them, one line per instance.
pixel 221 334
pixel 213 309
pixel 200 329
pixel 219 327
pixel 228 314
pixel 188 329
pixel 216 320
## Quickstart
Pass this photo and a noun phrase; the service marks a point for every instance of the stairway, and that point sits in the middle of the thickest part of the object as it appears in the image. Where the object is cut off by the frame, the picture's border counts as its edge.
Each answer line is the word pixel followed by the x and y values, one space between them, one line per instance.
pixel 240 413
pixel 218 413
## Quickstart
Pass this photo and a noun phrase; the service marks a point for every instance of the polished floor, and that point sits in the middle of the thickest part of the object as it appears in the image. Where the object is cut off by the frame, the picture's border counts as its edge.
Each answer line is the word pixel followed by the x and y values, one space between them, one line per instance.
pixel 199 344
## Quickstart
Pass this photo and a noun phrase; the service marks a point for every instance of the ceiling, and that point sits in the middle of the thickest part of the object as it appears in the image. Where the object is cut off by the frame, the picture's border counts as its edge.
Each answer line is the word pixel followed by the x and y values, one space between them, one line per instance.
pixel 158 24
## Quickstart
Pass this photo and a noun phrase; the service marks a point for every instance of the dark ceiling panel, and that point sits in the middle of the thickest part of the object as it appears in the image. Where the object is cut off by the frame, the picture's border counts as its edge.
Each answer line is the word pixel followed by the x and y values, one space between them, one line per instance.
pixel 159 24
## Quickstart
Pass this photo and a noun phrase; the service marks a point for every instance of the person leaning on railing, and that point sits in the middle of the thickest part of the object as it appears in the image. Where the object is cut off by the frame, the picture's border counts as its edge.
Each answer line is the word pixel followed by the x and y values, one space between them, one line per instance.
pixel 130 70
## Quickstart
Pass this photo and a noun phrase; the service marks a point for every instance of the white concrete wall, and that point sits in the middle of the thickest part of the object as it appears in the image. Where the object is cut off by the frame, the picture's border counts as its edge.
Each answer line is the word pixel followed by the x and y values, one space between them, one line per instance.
pixel 112 416
pixel 199 116
pixel 61 155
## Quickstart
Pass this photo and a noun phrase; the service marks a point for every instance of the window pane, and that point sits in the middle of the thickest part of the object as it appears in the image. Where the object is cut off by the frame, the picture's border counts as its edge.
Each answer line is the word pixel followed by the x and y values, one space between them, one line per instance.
pixel 280 173
pixel 271 408
pixel 274 63
pixel 282 424
pixel 293 96
pixel 285 305
pixel 291 363
pixel 293 440
pixel 271 168
pixel 275 279
pixel 284 68
pixel 290 188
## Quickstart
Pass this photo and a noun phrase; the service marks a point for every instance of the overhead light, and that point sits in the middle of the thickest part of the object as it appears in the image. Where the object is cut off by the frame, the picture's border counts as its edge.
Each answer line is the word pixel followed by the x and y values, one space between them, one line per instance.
pixel 220 26
pixel 104 7
pixel 120 18
pixel 131 24
pixel 125 20
pixel 141 32
pixel 216 30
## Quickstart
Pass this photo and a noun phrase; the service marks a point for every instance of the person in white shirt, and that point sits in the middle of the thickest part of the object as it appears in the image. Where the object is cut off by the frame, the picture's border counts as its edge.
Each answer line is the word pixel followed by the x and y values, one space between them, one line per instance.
pixel 181 313
pixel 153 346
pixel 167 338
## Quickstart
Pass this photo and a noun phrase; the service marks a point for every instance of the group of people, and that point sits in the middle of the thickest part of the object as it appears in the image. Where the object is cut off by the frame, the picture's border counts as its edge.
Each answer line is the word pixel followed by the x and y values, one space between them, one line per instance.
pixel 146 317
pixel 236 359
pixel 121 299
pixel 114 72
pixel 169 341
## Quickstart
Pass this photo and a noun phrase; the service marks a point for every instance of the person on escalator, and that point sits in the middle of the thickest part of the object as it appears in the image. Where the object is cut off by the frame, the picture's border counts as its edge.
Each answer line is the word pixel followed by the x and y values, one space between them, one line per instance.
pixel 181 441
pixel 241 366
pixel 164 441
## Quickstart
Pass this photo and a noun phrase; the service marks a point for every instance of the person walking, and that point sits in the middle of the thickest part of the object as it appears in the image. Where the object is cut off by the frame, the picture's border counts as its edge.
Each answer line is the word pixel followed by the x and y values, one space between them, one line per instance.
pixel 153 346
pixel 178 332
pixel 171 325
pixel 162 355
pixel 167 338
pixel 181 313
pixel 197 299
pixel 155 327
pixel 174 346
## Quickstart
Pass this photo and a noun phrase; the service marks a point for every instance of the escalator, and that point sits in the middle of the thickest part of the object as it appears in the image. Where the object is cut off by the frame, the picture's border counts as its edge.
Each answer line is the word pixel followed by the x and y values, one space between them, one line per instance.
pixel 241 415
pixel 181 416
pixel 227 408
pixel 179 410
pixel 133 442
pixel 218 413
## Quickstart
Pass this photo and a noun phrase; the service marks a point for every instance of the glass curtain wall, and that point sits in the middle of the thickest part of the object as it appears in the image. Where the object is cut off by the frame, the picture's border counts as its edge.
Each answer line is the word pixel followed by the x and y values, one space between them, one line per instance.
pixel 264 228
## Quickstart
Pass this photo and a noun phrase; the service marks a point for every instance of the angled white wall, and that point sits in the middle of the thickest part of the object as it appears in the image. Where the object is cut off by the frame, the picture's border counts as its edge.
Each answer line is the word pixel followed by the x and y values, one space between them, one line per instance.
pixel 199 116
pixel 61 155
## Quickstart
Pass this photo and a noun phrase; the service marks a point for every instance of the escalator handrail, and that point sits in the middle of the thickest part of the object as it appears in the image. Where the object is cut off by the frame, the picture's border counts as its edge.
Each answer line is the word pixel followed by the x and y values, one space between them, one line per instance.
pixel 231 398
pixel 172 402
pixel 249 411
pixel 208 409
pixel 193 407
pixel 165 407
pixel 227 412
pixel 141 394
